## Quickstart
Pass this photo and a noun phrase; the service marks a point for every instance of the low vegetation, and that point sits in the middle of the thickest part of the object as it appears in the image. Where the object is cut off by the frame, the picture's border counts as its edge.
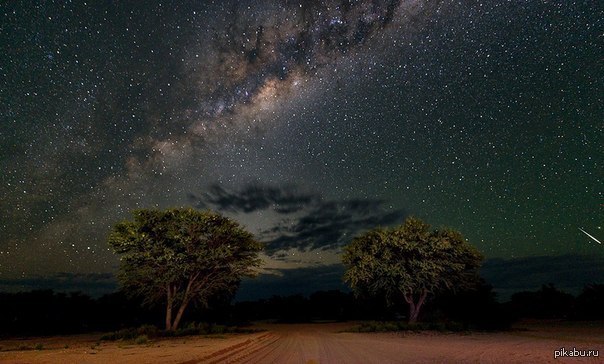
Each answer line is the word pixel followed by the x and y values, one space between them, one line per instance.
pixel 392 326
pixel 145 333
pixel 61 314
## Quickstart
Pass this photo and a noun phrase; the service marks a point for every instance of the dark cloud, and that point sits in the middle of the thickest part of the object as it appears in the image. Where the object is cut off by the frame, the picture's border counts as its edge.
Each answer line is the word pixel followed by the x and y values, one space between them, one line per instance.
pixel 253 197
pixel 331 224
pixel 309 221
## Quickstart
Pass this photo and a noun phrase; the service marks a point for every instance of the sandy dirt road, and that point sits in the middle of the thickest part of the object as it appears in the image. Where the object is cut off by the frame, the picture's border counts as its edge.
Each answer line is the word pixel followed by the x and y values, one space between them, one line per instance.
pixel 327 343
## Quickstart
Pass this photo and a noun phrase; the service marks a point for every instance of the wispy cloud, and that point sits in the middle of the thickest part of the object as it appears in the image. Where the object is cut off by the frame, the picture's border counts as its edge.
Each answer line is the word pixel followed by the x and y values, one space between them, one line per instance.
pixel 307 220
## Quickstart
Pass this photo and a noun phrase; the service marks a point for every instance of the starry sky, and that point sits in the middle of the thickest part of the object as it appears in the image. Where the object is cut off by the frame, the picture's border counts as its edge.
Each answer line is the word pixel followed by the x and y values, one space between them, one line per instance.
pixel 306 121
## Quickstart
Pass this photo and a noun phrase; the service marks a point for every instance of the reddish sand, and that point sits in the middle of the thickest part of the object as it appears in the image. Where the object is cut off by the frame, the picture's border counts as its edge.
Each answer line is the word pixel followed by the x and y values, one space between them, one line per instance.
pixel 322 343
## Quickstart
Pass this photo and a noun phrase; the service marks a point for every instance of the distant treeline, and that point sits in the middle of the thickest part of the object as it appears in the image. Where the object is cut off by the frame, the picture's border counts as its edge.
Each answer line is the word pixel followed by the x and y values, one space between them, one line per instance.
pixel 50 313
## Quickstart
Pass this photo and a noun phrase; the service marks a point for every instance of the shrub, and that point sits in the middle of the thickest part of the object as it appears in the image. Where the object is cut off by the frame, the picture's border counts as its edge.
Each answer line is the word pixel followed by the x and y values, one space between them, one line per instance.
pixel 141 339
pixel 148 330
pixel 191 329
pixel 374 326
pixel 123 334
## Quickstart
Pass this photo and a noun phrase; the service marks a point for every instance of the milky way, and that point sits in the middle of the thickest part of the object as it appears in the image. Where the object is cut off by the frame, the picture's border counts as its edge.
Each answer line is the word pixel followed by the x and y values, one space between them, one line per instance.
pixel 290 41
pixel 307 121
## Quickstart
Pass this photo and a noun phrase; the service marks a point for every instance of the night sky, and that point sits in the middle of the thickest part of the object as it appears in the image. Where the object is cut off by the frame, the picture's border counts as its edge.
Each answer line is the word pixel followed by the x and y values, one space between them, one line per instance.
pixel 306 121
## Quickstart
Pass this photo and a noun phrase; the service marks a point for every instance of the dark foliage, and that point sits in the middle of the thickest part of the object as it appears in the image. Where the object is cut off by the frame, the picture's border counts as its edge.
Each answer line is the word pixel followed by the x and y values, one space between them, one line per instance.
pixel 48 313
pixel 546 303
pixel 475 309
pixel 330 305
pixel 389 326
pixel 590 303
pixel 147 332
pixel 45 313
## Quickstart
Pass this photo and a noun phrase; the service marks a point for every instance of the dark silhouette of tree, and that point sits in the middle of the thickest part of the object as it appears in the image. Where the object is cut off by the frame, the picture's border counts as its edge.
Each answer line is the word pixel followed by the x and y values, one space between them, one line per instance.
pixel 546 303
pixel 44 312
pixel 119 310
pixel 180 256
pixel 330 305
pixel 590 302
pixel 475 308
pixel 410 262
pixel 294 308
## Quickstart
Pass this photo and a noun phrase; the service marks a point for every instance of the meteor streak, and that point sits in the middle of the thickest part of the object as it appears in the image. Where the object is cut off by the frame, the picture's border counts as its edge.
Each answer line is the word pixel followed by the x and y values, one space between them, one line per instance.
pixel 586 233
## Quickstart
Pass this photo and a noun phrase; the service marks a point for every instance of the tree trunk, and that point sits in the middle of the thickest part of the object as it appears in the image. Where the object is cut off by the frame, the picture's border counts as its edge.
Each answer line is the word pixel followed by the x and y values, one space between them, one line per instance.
pixel 181 310
pixel 413 312
pixel 185 302
pixel 169 309
pixel 414 308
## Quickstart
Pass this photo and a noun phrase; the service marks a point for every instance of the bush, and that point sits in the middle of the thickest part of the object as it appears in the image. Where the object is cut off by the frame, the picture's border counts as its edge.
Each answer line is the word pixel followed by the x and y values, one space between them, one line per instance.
pixel 123 334
pixel 374 326
pixel 202 329
pixel 141 339
pixel 132 333
pixel 150 331
pixel 187 331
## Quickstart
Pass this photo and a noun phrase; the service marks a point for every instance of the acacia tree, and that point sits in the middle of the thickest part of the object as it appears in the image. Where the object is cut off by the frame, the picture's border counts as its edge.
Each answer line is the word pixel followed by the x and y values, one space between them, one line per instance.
pixel 181 256
pixel 410 262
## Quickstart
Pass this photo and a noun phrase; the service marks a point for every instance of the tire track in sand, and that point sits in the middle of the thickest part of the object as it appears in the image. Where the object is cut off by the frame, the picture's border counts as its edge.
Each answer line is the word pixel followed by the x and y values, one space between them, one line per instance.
pixel 237 352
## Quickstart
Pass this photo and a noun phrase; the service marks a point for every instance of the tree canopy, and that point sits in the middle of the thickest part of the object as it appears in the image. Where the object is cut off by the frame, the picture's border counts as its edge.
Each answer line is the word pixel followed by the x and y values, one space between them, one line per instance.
pixel 410 262
pixel 182 255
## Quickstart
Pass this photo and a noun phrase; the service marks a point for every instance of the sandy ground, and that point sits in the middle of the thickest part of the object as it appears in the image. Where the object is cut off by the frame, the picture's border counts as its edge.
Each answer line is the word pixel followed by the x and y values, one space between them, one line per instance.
pixel 322 343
